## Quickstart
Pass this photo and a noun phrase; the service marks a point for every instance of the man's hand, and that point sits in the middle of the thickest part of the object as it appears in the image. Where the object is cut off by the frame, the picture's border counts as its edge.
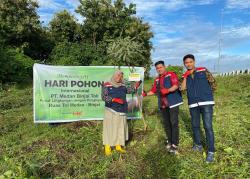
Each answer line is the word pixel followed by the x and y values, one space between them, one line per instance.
pixel 164 91
pixel 118 100
pixel 186 74
pixel 144 93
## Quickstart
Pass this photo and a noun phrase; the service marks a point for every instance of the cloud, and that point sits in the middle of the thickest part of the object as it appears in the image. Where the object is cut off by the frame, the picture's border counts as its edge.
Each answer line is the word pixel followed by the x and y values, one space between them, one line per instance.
pixel 73 3
pixel 179 32
pixel 201 38
pixel 168 5
pixel 238 32
pixel 179 29
pixel 47 9
pixel 229 63
pixel 194 36
pixel 238 4
pixel 45 17
pixel 52 5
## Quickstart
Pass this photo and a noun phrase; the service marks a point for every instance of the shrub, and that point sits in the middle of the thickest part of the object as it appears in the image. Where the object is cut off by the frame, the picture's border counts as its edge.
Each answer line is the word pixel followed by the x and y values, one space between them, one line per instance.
pixel 74 54
pixel 15 66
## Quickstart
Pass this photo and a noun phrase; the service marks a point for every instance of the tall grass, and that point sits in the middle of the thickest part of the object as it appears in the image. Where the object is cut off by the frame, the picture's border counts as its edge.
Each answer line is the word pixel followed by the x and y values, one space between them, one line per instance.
pixel 75 150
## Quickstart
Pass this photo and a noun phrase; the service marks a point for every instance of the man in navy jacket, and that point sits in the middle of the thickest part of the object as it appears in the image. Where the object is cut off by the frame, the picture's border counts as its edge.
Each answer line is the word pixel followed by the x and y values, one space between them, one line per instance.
pixel 166 88
pixel 200 84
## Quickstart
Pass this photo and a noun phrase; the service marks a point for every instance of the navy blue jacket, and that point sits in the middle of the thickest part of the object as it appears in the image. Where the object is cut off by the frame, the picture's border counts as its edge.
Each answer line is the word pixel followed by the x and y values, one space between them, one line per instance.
pixel 199 91
pixel 109 92
pixel 173 98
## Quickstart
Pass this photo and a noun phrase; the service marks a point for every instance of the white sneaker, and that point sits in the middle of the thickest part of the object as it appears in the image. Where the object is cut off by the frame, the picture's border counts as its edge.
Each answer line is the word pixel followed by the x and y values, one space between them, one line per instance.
pixel 168 146
pixel 174 150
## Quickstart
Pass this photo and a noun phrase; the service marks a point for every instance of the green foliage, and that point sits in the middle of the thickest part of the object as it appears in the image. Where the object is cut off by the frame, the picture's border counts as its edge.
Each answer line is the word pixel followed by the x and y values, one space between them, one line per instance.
pixel 15 66
pixel 104 19
pixel 109 27
pixel 126 52
pixel 41 48
pixel 177 69
pixel 20 28
pixel 141 32
pixel 19 21
pixel 113 22
pixel 75 150
pixel 66 53
pixel 63 27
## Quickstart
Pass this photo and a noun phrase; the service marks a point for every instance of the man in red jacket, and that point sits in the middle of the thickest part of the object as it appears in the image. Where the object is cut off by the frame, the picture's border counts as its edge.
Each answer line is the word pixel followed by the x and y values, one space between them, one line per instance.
pixel 166 88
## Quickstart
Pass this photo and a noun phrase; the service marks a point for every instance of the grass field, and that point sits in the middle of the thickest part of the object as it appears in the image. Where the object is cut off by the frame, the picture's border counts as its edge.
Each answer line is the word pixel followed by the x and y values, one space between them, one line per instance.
pixel 75 150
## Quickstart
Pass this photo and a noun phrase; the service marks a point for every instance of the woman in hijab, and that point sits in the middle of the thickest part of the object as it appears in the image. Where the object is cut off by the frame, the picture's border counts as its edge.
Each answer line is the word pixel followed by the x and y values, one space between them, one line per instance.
pixel 115 127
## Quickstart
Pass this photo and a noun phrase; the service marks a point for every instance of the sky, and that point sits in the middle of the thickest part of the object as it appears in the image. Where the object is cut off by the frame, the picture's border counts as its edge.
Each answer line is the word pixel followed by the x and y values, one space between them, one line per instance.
pixel 181 27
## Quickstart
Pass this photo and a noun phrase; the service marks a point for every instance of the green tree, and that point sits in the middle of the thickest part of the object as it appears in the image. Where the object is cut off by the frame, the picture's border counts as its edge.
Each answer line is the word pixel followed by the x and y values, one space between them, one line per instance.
pixel 41 48
pixel 63 27
pixel 107 21
pixel 104 19
pixel 141 32
pixel 19 21
pixel 15 66
pixel 20 28
pixel 67 53
pixel 126 51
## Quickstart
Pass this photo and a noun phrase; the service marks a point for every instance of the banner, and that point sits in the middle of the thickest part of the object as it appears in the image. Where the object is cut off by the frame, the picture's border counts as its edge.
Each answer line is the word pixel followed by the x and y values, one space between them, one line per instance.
pixel 73 93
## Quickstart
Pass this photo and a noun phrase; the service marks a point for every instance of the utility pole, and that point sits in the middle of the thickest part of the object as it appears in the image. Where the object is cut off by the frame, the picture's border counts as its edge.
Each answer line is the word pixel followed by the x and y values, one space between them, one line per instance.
pixel 220 40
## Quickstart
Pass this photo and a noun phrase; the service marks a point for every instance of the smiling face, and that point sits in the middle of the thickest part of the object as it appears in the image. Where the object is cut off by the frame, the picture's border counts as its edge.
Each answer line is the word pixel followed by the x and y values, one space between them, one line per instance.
pixel 118 78
pixel 161 69
pixel 189 63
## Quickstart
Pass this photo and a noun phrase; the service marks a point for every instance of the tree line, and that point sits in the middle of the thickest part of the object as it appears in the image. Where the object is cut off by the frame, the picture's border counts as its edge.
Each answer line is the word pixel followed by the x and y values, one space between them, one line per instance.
pixel 110 34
